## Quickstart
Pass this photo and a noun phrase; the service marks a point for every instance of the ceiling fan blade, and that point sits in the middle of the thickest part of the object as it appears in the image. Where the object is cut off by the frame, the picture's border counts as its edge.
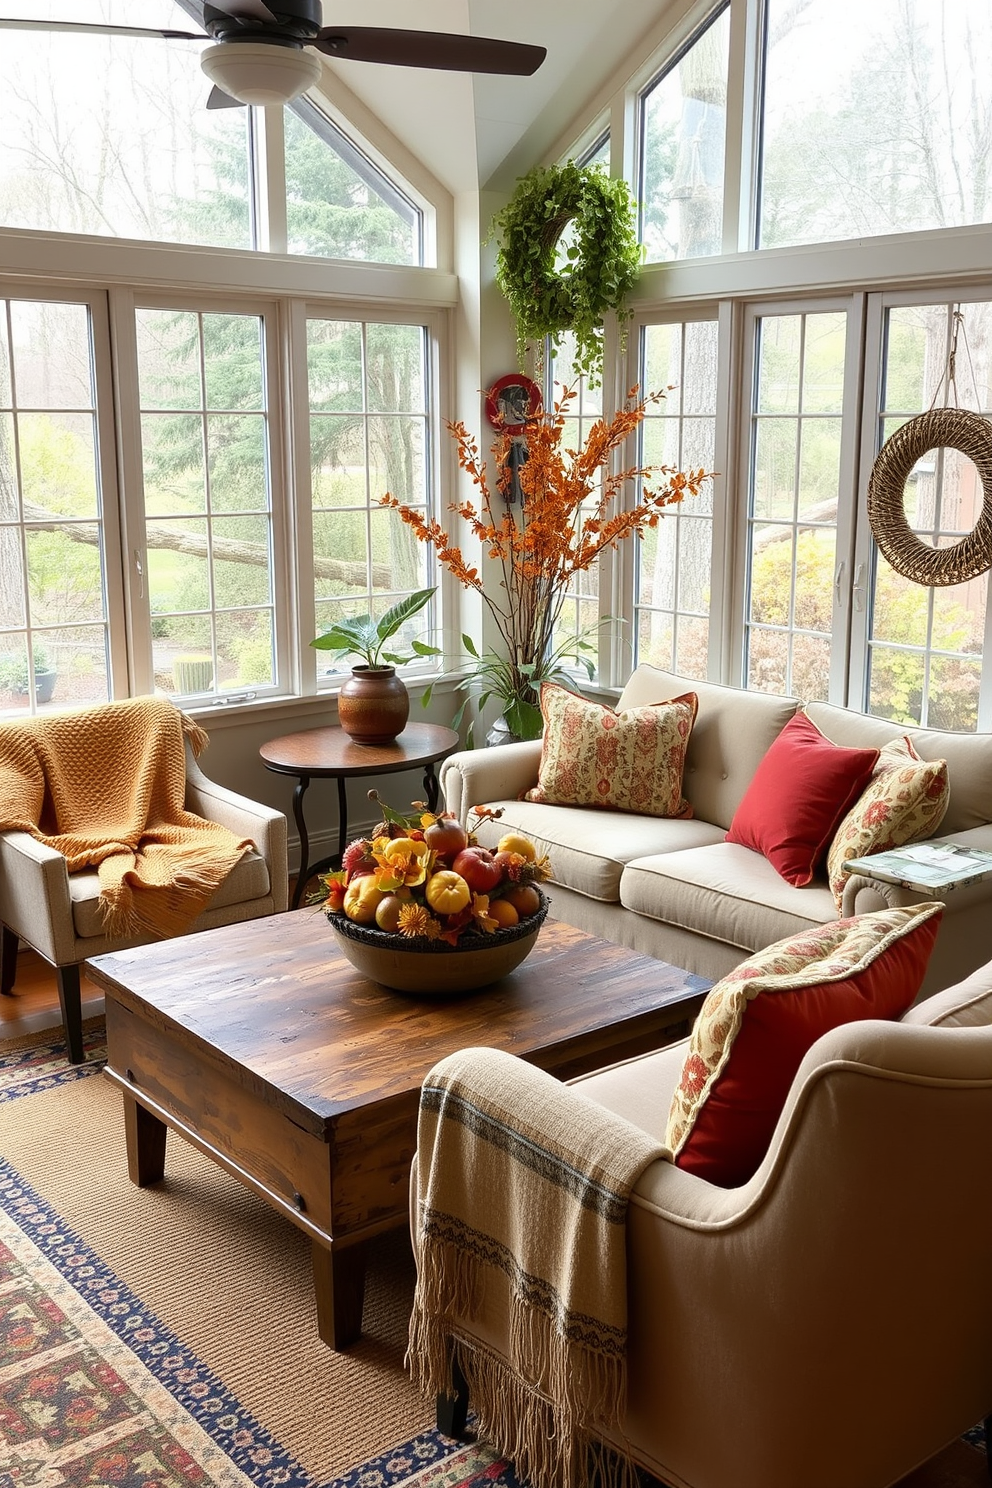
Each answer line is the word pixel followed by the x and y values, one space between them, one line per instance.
pixel 245 10
pixel 434 49
pixel 99 30
pixel 218 99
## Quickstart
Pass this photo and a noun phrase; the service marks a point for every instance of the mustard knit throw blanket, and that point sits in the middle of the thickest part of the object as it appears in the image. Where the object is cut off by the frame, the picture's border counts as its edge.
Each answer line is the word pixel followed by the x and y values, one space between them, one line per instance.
pixel 104 787
pixel 523 1189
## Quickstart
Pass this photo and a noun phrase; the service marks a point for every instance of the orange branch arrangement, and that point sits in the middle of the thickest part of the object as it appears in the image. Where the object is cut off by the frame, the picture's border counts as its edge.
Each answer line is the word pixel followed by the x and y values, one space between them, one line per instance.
pixel 572 509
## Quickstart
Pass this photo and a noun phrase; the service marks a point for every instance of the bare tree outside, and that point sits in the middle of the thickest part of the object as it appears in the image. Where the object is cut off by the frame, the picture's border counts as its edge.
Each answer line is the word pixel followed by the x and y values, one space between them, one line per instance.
pixel 877 118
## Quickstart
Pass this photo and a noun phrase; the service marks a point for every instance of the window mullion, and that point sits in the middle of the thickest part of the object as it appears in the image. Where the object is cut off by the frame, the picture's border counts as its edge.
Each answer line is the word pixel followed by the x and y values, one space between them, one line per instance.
pixel 130 612
pixel 865 554
pixel 297 607
pixel 268 148
pixel 742 127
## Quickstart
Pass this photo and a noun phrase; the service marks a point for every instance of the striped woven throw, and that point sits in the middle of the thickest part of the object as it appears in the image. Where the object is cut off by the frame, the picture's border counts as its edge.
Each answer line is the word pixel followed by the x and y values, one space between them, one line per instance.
pixel 105 787
pixel 523 1190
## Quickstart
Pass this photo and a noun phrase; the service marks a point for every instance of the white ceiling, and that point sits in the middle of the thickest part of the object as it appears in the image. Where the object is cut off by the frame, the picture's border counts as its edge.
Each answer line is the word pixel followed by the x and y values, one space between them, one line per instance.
pixel 464 127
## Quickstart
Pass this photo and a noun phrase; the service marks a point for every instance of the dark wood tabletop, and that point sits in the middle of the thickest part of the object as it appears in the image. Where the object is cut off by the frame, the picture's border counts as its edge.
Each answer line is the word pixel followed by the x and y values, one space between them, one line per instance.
pixel 265 1048
pixel 276 997
pixel 329 751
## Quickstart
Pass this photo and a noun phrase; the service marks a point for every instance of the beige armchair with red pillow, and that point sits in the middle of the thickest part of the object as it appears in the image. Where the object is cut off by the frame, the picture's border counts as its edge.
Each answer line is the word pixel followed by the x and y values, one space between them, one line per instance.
pixel 827 1321
pixel 776 798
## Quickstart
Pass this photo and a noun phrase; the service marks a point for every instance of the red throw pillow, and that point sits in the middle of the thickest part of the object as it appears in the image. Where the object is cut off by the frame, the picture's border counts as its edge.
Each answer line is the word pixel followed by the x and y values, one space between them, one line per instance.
pixel 800 793
pixel 758 1022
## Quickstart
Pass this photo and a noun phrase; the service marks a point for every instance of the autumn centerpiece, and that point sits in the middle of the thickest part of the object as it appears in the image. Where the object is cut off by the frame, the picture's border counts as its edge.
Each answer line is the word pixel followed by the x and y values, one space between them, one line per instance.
pixel 418 905
pixel 574 505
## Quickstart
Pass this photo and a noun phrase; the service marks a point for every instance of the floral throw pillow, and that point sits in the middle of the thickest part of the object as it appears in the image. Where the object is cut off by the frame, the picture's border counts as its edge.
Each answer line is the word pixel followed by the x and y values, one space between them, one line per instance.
pixel 758 1022
pixel 904 801
pixel 630 761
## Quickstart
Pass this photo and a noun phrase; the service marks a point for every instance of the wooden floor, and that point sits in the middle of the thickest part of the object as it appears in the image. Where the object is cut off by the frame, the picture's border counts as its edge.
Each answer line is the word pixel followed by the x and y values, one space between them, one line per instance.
pixel 34 1003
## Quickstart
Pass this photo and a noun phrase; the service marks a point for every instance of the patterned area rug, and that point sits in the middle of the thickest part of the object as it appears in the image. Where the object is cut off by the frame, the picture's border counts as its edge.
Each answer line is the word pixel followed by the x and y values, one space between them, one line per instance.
pixel 94 1390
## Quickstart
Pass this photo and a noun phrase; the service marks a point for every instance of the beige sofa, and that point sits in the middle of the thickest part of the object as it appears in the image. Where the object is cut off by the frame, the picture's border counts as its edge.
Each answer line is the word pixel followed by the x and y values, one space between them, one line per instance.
pixel 828 1324
pixel 674 889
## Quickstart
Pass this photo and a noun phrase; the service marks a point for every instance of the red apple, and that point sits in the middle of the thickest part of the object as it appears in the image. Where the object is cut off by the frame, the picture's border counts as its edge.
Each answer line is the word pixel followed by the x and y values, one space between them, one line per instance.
pixel 446 836
pixel 478 868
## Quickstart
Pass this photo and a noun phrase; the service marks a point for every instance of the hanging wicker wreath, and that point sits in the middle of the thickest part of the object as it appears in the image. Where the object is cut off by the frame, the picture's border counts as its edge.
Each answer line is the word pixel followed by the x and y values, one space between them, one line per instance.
pixel 602 262
pixel 958 429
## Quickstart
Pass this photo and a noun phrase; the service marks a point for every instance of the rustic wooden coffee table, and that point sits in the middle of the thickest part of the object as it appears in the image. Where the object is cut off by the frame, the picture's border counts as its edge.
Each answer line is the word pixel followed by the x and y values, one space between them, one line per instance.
pixel 261 1045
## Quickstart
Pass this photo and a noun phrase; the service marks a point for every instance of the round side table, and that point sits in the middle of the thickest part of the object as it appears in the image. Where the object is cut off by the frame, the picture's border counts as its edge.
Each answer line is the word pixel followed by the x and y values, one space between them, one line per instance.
pixel 330 754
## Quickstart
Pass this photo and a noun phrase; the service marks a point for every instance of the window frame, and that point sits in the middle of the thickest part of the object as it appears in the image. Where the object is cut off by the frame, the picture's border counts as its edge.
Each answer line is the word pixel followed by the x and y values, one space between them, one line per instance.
pixel 108 492
pixel 865 557
pixel 125 303
pixel 436 377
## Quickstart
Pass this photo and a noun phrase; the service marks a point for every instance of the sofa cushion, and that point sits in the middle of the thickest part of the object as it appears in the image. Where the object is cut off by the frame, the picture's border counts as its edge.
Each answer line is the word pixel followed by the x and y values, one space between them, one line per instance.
pixel 732 733
pixel 968 756
pixel 800 792
pixel 967 1004
pixel 725 892
pixel 248 879
pixel 758 1022
pixel 589 849
pixel 632 760
pixel 904 801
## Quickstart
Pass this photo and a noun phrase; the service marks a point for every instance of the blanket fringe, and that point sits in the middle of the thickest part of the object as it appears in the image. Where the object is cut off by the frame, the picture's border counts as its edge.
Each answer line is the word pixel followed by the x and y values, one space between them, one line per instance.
pixel 127 909
pixel 549 1443
pixel 198 737
pixel 547 1448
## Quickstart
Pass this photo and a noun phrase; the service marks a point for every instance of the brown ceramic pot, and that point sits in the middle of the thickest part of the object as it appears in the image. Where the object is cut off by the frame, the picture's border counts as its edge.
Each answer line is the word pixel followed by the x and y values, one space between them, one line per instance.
pixel 373 705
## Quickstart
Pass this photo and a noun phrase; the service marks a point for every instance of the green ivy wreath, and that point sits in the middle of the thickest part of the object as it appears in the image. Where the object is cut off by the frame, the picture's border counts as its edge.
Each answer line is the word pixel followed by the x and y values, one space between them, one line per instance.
pixel 602 262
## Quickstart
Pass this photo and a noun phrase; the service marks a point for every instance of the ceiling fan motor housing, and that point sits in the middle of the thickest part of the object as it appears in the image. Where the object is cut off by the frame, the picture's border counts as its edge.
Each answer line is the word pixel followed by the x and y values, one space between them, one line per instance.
pixel 294 23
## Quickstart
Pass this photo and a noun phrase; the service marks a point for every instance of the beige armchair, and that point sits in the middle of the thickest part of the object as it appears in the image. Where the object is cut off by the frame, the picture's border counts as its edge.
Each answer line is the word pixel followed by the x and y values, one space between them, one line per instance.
pixel 829 1324
pixel 56 912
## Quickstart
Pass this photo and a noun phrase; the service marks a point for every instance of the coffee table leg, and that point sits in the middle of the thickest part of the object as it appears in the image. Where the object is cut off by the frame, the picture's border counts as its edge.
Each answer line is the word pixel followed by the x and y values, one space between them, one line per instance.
pixel 145 1137
pixel 339 1286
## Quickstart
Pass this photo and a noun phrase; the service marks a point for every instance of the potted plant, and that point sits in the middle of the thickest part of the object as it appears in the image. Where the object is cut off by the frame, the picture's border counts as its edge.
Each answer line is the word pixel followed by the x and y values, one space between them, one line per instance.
pixel 14 675
pixel 490 675
pixel 373 704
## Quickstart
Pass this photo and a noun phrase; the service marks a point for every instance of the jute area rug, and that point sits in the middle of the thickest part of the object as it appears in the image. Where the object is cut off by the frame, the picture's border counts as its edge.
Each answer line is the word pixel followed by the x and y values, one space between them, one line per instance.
pixel 166 1337
pixel 192 1301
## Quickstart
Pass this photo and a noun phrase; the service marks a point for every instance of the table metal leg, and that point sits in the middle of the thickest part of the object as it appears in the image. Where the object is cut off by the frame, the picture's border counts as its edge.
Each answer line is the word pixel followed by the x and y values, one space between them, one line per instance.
pixel 342 818
pixel 301 827
pixel 431 787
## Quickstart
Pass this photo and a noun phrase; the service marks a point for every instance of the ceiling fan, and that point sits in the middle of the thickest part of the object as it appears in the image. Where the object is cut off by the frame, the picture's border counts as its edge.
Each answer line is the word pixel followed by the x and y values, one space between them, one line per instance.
pixel 261 50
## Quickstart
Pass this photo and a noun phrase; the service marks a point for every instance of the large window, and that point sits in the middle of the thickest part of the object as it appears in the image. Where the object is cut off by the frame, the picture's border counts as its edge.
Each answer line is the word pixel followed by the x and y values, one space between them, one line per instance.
pixel 53 582
pixel 111 135
pixel 683 127
pixel 876 117
pixel 925 645
pixel 208 563
pixel 842 151
pixel 194 434
pixel 674 562
pixel 370 435
pixel 795 473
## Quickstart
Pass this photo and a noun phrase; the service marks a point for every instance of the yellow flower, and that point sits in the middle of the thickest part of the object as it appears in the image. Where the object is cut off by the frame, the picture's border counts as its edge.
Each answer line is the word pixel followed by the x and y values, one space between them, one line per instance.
pixel 403 861
pixel 413 920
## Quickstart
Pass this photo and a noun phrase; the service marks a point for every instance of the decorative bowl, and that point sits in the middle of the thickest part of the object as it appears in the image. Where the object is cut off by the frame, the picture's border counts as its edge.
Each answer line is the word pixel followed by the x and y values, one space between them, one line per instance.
pixel 433 968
